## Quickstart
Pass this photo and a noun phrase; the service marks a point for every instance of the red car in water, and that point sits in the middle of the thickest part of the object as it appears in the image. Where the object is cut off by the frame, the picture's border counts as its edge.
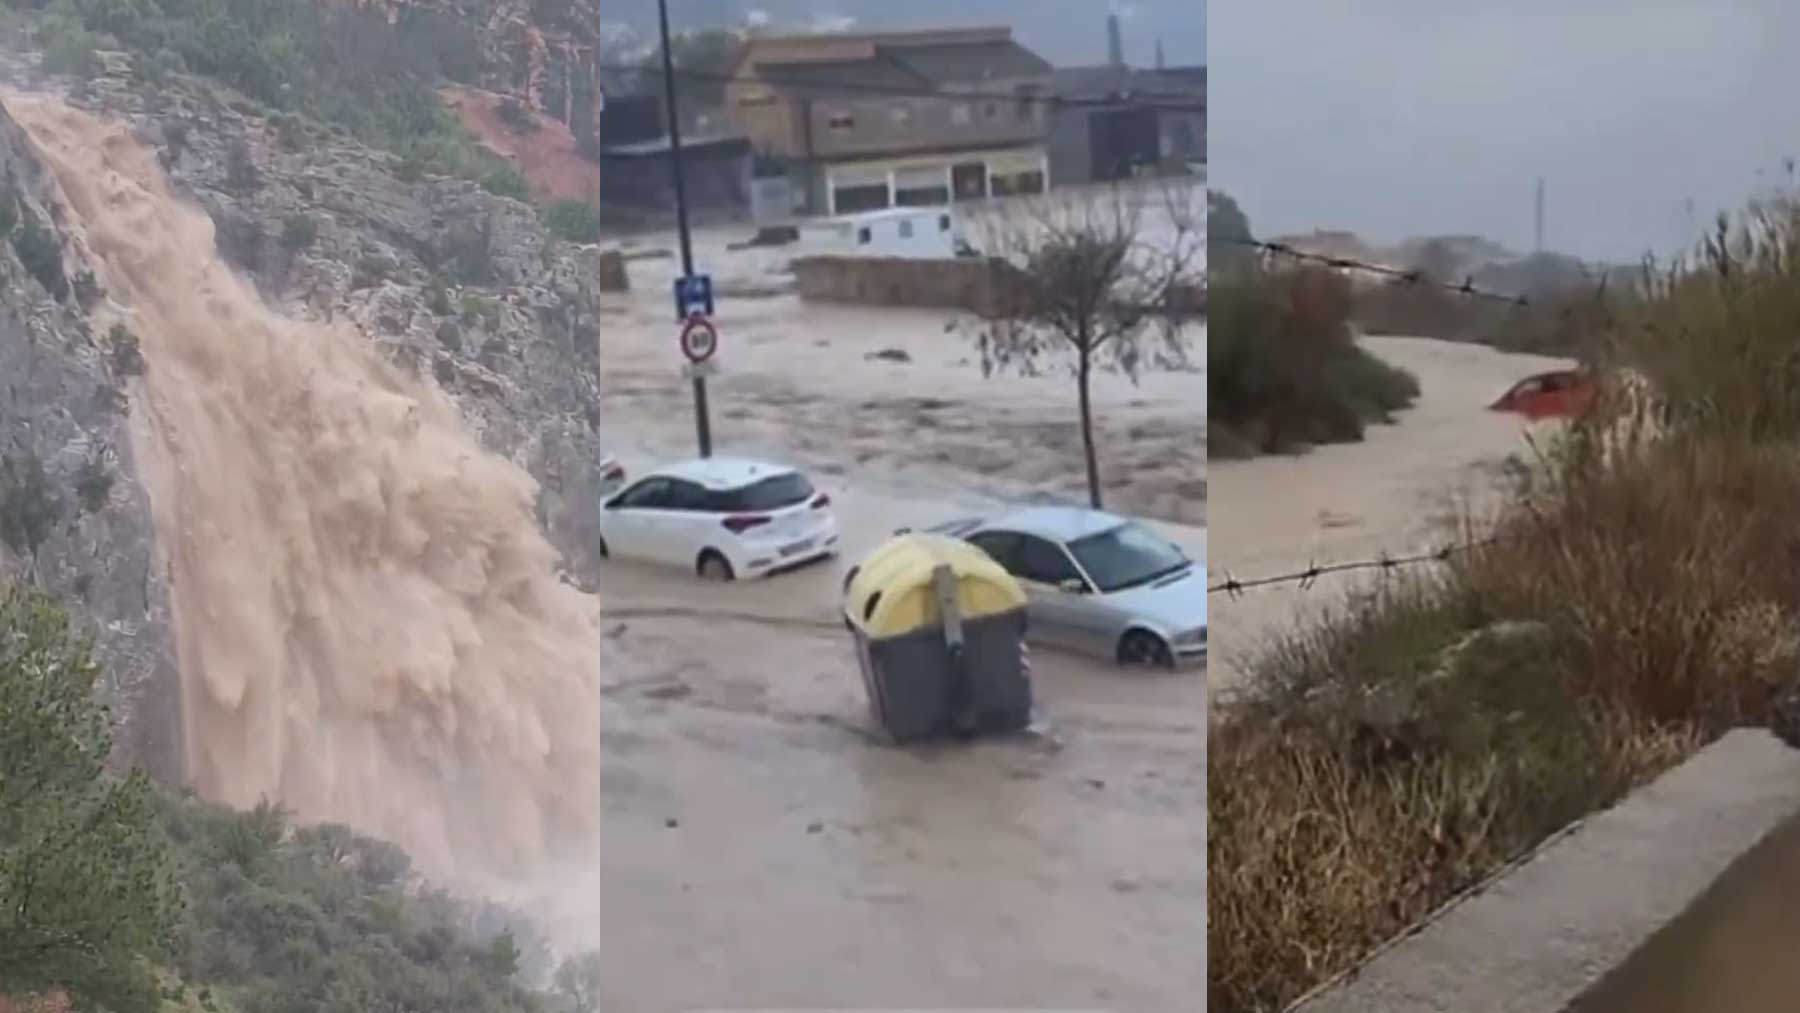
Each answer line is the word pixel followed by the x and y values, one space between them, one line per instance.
pixel 1561 393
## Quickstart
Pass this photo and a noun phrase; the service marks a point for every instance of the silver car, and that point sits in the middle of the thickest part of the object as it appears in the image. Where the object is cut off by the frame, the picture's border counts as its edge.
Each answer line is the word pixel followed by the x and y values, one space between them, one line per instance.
pixel 1098 583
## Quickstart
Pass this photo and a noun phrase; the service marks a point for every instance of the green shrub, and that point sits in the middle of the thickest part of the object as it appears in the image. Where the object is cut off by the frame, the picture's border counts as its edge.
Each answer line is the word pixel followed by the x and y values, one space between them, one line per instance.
pixel 507 182
pixel 93 484
pixel 70 49
pixel 298 231
pixel 514 114
pixel 123 349
pixel 574 220
pixel 87 290
pixel 40 251
pixel 241 174
pixel 1284 369
pixel 91 904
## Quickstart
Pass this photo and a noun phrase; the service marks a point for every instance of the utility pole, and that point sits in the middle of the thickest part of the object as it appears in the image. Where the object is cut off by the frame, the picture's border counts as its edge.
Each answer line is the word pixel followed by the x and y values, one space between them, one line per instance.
pixel 1538 245
pixel 702 425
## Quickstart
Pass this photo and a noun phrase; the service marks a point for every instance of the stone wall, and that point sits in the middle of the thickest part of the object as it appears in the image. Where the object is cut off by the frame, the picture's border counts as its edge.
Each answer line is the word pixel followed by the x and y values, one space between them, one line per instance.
pixel 961 284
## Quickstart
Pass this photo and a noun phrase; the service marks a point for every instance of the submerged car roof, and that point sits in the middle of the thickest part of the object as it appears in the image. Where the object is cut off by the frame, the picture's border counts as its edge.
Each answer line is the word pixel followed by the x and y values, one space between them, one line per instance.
pixel 1060 523
pixel 724 472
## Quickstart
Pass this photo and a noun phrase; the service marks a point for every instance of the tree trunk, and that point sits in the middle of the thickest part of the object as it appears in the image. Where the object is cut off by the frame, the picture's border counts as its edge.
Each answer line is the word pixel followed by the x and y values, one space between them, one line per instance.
pixel 1082 376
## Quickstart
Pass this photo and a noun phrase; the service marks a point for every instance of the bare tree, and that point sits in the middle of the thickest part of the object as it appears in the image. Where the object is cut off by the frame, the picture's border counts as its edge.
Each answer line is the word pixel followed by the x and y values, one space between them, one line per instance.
pixel 1105 280
pixel 577 984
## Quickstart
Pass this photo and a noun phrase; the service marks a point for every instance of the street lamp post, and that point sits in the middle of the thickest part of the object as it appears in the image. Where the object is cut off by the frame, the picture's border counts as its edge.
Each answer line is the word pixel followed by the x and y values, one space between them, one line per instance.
pixel 702 424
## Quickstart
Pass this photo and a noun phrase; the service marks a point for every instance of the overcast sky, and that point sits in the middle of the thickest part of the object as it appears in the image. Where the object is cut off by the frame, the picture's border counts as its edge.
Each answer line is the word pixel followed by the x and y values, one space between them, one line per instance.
pixel 1405 117
pixel 1065 32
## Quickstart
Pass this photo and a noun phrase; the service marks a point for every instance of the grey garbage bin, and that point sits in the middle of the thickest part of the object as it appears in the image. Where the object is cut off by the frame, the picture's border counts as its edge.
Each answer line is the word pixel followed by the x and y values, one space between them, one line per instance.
pixel 939 630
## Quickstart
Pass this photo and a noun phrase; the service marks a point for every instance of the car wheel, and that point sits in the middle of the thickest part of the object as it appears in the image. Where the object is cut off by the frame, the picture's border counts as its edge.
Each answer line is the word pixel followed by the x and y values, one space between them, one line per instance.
pixel 1143 649
pixel 713 566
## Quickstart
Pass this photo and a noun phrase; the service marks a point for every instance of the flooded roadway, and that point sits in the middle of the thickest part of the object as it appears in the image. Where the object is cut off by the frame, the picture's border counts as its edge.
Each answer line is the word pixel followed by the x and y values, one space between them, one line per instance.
pixel 1400 491
pixel 762 849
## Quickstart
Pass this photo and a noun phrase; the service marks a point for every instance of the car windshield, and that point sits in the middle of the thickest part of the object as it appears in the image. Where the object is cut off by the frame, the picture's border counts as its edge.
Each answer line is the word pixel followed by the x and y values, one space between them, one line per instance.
pixel 1126 556
pixel 774 493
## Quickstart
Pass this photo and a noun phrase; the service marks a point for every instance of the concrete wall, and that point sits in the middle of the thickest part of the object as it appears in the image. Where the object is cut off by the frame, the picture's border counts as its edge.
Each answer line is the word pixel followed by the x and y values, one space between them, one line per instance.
pixel 613 276
pixel 1731 952
pixel 963 284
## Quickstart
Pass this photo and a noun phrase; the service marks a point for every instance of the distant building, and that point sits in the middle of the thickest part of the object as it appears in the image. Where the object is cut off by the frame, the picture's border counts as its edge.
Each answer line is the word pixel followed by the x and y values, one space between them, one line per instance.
pixel 1111 122
pixel 869 121
pixel 631 119
pixel 637 183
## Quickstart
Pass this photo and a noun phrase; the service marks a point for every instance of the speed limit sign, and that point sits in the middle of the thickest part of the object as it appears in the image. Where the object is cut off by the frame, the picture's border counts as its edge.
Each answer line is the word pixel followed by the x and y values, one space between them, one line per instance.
pixel 699 340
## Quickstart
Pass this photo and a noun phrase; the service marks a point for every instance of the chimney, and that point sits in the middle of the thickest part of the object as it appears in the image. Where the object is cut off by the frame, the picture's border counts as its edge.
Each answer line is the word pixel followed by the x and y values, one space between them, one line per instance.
pixel 1160 65
pixel 1115 46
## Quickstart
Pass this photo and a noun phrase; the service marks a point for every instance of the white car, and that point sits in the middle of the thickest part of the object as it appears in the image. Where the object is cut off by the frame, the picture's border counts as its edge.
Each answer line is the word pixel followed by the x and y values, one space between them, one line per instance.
pixel 723 518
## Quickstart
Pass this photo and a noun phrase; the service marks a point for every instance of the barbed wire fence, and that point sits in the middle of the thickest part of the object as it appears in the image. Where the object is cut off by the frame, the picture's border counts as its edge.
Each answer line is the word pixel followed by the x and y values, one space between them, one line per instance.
pixel 1407 276
pixel 1384 563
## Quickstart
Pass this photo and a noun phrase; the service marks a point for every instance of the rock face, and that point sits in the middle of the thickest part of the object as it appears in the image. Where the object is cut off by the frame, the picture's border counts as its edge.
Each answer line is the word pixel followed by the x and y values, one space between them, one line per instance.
pixel 76 518
pixel 461 287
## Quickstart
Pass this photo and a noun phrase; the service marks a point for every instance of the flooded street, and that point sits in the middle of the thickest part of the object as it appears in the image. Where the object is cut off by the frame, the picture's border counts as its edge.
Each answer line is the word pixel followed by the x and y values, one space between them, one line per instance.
pixel 762 848
pixel 1399 492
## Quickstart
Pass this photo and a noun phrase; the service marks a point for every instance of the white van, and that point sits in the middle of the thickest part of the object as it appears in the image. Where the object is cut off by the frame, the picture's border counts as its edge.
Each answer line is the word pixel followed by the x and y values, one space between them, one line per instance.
pixel 922 233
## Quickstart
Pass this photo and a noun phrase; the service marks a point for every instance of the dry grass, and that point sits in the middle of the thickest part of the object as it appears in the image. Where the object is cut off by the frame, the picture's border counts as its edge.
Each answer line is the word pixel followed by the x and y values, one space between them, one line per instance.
pixel 1642 596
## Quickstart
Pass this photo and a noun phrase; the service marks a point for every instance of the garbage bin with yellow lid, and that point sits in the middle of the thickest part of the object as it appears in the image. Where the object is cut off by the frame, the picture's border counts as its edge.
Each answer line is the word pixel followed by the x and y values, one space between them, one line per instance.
pixel 940 631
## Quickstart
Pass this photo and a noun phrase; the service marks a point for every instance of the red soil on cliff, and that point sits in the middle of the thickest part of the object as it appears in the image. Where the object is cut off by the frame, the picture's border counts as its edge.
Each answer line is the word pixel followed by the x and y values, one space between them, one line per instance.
pixel 547 157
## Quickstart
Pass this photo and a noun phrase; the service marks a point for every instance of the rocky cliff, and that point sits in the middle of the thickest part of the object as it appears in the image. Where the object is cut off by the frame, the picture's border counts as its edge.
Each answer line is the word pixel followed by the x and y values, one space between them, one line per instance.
pixel 73 515
pixel 460 287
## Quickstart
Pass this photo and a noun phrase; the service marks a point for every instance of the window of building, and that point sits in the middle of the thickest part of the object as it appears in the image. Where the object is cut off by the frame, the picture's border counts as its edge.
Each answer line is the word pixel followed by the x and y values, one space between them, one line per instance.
pixel 841 122
pixel 906 229
pixel 990 111
pixel 863 236
pixel 943 223
pixel 959 115
pixel 1026 105
pixel 902 116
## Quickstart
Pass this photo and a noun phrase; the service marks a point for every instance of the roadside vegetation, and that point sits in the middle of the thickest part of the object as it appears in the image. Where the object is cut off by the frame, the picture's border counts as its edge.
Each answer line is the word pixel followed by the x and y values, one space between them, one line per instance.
pixel 1284 370
pixel 1559 312
pixel 121 895
pixel 1636 598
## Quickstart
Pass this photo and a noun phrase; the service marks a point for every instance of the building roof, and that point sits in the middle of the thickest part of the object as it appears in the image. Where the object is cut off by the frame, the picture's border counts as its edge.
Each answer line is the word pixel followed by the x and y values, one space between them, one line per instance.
pixel 964 63
pixel 1105 81
pixel 924 58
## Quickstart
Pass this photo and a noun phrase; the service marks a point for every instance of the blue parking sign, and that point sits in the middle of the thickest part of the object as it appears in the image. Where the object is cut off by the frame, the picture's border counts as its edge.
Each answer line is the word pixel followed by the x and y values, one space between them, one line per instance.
pixel 693 294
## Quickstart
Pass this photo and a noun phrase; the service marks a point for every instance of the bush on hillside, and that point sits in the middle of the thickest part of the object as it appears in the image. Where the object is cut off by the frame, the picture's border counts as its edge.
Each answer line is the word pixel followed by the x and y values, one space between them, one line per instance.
pixel 515 115
pixel 1284 369
pixel 1637 599
pixel 40 251
pixel 575 220
pixel 506 182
